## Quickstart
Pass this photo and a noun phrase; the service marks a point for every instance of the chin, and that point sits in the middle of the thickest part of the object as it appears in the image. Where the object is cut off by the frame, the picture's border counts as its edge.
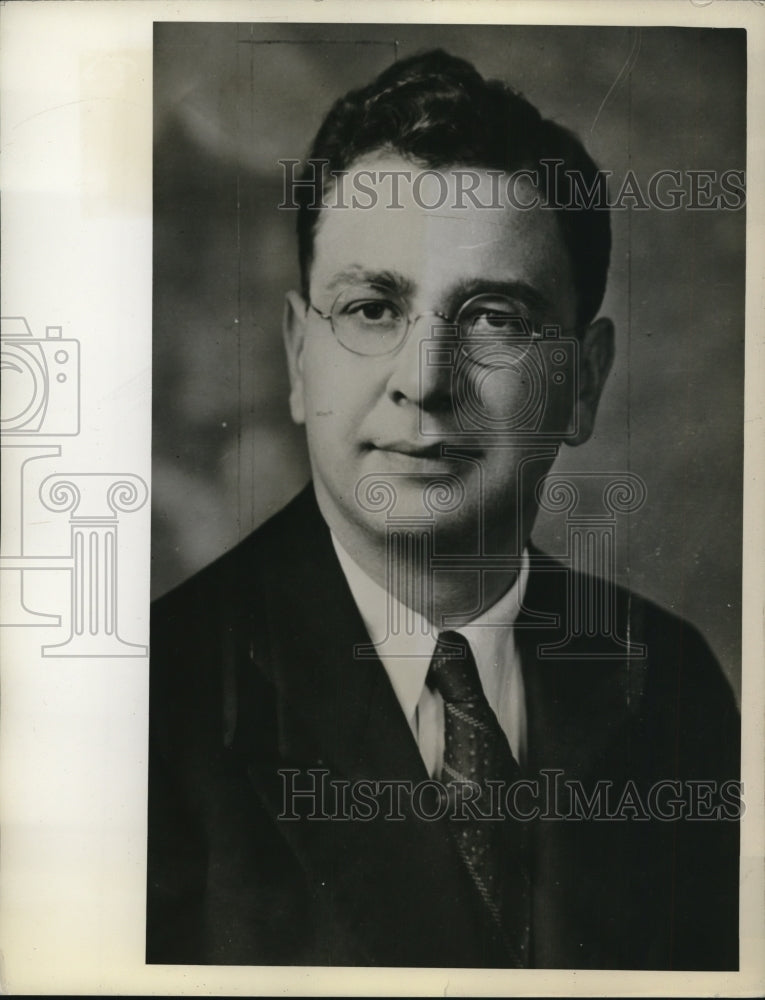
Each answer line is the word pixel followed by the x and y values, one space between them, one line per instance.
pixel 421 494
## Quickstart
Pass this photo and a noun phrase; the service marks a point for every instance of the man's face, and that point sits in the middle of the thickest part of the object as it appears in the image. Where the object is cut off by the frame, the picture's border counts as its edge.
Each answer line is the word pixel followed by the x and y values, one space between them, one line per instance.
pixel 391 418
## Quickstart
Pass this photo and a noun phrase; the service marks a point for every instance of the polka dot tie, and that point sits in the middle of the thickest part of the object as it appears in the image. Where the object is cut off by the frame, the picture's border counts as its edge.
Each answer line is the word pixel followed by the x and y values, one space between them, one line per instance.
pixel 476 752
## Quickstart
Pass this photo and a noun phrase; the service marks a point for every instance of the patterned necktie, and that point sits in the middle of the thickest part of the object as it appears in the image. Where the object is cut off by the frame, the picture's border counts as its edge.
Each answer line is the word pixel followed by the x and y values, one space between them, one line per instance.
pixel 476 751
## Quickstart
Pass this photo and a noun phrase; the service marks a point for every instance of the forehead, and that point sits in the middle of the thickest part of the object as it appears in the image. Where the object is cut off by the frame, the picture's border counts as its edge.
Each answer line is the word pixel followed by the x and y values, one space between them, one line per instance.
pixel 433 234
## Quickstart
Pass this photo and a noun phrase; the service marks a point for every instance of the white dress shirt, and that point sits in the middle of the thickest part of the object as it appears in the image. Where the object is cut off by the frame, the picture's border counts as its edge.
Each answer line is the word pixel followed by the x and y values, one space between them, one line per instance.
pixel 406 657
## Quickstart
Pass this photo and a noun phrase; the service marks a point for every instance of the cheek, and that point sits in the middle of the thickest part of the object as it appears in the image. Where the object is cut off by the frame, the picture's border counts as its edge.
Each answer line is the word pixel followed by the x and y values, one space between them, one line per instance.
pixel 501 399
pixel 319 377
pixel 334 395
pixel 519 396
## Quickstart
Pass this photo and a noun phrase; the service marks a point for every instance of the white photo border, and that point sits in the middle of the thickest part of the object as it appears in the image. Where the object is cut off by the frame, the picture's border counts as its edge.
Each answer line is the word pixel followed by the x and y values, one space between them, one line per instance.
pixel 76 127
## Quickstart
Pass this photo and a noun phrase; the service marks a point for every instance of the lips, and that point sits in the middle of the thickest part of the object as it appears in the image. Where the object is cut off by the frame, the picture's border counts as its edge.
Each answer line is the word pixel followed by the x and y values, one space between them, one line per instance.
pixel 412 449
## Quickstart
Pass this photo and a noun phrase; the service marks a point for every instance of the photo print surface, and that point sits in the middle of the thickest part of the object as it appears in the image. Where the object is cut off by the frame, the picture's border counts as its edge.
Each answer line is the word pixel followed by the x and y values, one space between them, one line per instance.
pixel 447 466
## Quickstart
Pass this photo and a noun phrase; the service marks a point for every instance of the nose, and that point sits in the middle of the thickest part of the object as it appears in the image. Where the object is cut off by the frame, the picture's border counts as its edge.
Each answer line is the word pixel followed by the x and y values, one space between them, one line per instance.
pixel 420 373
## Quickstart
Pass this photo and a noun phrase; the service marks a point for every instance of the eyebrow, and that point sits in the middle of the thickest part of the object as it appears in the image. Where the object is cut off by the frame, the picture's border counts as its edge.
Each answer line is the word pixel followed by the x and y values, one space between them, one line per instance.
pixel 387 280
pixel 514 289
pixel 398 284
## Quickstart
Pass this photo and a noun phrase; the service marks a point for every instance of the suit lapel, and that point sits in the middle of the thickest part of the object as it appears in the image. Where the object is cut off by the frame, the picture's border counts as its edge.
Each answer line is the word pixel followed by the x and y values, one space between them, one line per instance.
pixel 578 703
pixel 581 713
pixel 333 707
pixel 339 714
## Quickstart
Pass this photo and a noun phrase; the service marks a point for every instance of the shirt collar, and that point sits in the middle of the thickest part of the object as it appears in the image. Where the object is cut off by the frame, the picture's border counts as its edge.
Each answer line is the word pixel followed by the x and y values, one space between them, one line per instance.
pixel 406 658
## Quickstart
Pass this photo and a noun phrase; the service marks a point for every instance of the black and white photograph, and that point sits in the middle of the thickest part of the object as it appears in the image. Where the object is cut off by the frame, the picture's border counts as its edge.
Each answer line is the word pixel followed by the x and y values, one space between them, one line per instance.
pixel 447 480
pixel 383 509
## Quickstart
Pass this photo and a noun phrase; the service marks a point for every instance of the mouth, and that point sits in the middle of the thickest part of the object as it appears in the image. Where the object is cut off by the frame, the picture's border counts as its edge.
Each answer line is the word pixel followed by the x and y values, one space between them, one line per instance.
pixel 415 451
pixel 411 449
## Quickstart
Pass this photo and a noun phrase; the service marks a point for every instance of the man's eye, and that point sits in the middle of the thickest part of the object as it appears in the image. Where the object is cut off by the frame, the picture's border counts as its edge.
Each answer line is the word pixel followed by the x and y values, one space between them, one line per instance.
pixel 492 322
pixel 500 321
pixel 373 311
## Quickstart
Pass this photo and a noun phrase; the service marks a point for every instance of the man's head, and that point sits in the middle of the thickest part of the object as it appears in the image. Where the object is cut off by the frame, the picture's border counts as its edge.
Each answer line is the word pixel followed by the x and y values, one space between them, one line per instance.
pixel 378 281
pixel 437 111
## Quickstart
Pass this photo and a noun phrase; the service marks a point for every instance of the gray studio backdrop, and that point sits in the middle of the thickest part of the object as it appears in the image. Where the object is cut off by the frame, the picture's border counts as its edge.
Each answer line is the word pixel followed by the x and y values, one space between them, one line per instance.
pixel 232 100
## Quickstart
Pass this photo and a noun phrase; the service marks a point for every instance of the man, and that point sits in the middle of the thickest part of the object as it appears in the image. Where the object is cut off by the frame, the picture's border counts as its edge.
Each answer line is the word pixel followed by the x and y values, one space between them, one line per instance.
pixel 379 736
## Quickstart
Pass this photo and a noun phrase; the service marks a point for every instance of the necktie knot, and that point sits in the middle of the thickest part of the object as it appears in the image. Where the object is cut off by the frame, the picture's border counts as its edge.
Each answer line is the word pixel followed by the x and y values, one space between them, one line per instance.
pixel 453 671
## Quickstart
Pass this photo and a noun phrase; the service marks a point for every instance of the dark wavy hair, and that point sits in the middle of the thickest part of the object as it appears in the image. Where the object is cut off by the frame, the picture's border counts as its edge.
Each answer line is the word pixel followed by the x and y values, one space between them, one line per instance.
pixel 437 109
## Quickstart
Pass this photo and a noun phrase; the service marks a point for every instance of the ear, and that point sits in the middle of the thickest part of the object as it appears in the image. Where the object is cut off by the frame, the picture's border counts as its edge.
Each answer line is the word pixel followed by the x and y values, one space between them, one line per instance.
pixel 596 355
pixel 293 330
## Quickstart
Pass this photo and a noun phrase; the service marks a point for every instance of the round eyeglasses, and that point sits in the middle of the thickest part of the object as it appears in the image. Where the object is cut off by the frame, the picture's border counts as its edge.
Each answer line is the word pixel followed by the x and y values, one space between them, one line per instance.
pixel 367 323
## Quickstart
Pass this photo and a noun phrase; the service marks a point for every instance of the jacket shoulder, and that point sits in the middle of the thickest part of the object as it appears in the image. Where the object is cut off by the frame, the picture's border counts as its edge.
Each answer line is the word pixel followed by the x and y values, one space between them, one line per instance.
pixel 621 651
pixel 243 566
pixel 202 629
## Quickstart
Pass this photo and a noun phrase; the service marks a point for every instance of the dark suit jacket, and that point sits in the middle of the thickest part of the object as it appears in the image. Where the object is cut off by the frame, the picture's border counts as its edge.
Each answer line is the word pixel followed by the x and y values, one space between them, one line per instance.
pixel 252 671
